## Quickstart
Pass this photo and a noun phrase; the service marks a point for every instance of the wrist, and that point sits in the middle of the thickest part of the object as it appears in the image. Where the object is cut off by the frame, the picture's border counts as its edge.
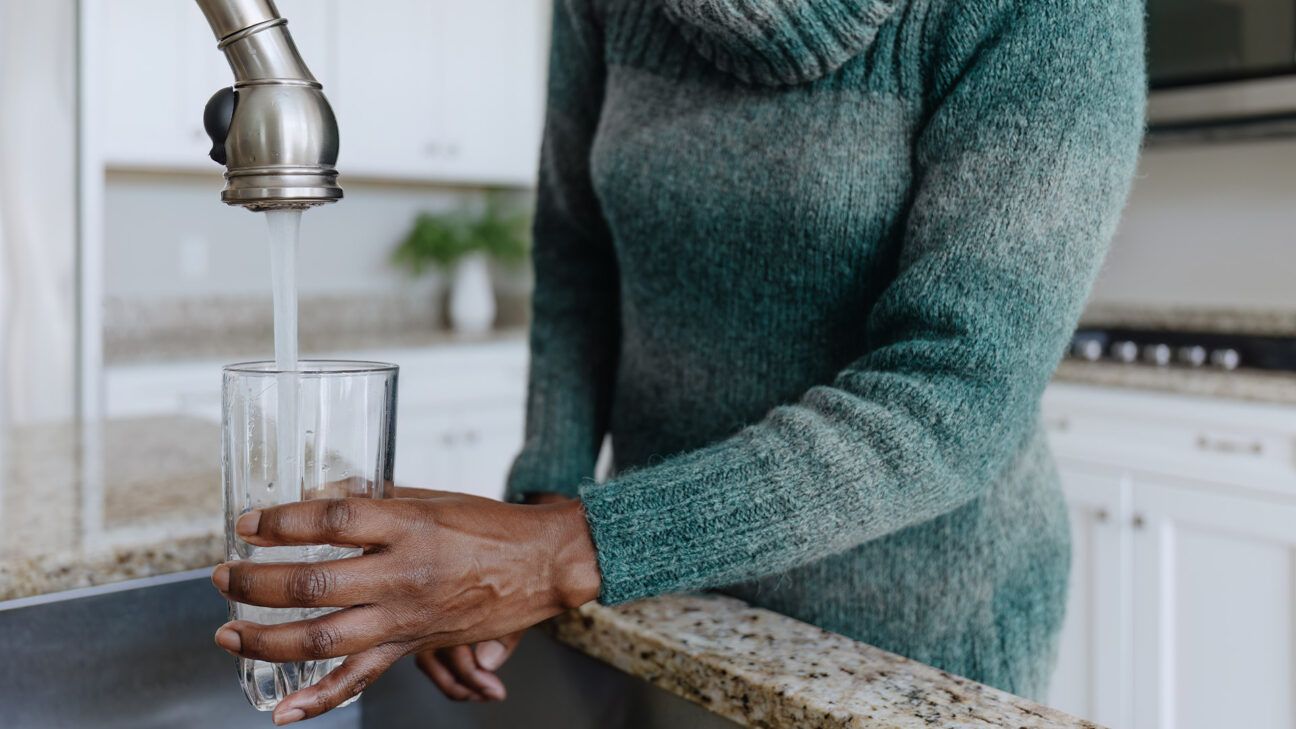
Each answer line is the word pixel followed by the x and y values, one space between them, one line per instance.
pixel 540 498
pixel 574 562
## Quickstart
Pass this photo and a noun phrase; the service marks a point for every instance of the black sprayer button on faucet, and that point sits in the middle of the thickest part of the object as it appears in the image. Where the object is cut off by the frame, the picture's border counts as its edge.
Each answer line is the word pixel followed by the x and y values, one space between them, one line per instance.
pixel 217 118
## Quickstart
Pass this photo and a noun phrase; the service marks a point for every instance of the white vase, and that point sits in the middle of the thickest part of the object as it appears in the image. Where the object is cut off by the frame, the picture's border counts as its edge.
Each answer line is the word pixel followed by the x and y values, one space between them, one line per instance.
pixel 472 298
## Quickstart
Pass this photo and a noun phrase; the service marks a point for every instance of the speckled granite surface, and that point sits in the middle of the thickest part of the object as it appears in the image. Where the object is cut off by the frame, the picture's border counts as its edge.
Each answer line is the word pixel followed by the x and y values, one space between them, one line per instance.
pixel 1263 322
pixel 230 327
pixel 763 669
pixel 89 506
pixel 1255 386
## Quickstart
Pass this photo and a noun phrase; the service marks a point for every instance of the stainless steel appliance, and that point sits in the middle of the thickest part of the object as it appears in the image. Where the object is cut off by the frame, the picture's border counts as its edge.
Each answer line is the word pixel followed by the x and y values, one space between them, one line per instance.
pixel 1219 63
pixel 274 130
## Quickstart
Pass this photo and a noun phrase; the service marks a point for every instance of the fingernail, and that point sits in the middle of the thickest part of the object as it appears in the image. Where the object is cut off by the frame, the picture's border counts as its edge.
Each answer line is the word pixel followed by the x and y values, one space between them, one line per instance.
pixel 228 639
pixel 493 688
pixel 288 716
pixel 220 577
pixel 247 525
pixel 490 655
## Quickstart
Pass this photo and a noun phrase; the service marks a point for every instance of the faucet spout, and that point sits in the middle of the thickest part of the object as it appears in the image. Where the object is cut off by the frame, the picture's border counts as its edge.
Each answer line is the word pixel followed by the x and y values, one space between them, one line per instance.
pixel 274 131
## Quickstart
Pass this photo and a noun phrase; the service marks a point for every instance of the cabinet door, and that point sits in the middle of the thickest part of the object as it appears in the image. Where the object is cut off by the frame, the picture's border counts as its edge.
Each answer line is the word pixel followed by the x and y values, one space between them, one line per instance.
pixel 494 99
pixel 146 53
pixel 1215 608
pixel 425 453
pixel 464 448
pixel 388 91
pixel 1092 675
pixel 487 443
pixel 442 90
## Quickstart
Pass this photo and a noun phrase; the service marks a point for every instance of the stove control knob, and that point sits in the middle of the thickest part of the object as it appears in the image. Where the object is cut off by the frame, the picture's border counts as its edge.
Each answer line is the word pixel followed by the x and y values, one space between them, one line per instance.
pixel 1089 350
pixel 1226 359
pixel 1124 351
pixel 1191 355
pixel 1156 354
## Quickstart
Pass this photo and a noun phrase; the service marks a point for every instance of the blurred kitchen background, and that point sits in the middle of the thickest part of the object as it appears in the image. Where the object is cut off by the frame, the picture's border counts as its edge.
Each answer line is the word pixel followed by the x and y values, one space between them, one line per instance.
pixel 125 284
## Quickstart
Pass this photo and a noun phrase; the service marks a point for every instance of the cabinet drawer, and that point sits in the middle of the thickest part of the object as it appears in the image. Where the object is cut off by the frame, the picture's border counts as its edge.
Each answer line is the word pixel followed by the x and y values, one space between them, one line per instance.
pixel 1250 446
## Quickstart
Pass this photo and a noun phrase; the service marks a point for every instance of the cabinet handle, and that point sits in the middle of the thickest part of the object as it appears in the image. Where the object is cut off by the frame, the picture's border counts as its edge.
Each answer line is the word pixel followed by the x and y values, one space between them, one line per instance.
pixel 1139 521
pixel 1060 425
pixel 1101 516
pixel 1230 446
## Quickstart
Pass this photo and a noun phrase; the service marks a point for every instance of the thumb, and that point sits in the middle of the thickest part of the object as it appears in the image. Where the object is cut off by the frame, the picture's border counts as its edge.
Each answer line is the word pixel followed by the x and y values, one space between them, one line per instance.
pixel 491 654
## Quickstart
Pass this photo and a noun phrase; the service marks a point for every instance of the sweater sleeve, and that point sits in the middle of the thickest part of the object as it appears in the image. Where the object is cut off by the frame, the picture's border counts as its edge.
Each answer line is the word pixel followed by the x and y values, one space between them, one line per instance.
pixel 1021 169
pixel 575 325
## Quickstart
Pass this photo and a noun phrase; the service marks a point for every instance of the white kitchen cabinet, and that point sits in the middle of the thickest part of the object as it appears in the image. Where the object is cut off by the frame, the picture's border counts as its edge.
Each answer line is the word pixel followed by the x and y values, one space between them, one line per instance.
pixel 146 55
pixel 1215 604
pixel 1183 606
pixel 444 90
pixel 162 65
pixel 387 94
pixel 464 448
pixel 494 98
pixel 1093 669
pixel 448 91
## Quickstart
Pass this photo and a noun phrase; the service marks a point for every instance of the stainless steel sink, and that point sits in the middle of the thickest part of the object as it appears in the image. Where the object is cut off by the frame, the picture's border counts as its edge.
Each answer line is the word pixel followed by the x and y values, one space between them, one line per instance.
pixel 140 656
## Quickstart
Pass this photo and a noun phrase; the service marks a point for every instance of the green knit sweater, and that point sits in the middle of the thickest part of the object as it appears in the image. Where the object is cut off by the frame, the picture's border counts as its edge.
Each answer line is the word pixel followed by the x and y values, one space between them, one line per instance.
pixel 811 264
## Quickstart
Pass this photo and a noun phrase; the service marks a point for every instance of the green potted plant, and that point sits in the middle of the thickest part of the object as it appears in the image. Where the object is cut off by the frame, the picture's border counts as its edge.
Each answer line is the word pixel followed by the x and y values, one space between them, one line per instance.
pixel 462 244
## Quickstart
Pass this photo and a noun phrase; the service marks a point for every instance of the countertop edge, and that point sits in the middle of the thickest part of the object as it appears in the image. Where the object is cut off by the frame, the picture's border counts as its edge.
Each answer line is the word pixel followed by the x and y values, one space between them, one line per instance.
pixel 53 573
pixel 760 668
pixel 1274 388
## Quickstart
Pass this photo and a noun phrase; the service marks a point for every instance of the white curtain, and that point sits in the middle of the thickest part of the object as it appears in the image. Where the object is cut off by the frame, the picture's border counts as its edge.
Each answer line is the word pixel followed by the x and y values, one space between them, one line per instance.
pixel 38 63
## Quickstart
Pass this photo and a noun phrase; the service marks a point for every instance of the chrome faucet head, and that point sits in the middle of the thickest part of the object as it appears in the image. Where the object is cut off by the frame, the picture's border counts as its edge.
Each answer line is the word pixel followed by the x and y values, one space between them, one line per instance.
pixel 274 129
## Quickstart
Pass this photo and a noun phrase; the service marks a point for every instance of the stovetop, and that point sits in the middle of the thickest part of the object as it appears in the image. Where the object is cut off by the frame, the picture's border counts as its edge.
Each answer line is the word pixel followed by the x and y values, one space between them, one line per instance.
pixel 1194 350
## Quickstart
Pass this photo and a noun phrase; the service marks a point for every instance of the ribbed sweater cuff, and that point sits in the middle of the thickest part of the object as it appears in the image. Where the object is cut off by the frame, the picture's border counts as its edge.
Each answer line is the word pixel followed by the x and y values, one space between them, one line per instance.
pixel 628 567
pixel 674 527
pixel 554 472
pixel 779 42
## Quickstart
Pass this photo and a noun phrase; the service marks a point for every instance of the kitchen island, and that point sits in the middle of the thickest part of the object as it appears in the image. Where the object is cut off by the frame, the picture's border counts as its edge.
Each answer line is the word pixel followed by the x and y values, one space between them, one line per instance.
pixel 91 507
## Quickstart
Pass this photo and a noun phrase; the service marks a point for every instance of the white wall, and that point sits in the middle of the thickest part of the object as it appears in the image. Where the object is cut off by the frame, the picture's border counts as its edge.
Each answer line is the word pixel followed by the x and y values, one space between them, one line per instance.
pixel 38 107
pixel 168 235
pixel 1208 226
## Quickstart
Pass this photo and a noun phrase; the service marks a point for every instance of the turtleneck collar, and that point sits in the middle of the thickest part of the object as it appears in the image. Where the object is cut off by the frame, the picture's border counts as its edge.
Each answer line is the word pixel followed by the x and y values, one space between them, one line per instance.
pixel 779 42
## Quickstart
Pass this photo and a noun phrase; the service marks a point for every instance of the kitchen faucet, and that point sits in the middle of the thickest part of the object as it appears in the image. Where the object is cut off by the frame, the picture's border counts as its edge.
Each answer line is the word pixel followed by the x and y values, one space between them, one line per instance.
pixel 273 130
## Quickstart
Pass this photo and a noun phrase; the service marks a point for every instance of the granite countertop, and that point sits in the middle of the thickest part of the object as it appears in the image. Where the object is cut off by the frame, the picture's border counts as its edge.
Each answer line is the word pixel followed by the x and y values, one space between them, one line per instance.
pixel 763 669
pixel 85 506
pixel 1251 385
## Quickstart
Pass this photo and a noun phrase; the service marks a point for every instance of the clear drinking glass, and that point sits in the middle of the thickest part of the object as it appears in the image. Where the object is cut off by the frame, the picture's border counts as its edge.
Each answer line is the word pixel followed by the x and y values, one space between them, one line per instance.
pixel 334 423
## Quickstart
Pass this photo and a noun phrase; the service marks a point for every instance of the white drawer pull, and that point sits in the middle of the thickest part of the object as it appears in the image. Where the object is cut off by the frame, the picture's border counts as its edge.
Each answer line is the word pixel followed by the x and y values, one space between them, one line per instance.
pixel 1059 425
pixel 1216 444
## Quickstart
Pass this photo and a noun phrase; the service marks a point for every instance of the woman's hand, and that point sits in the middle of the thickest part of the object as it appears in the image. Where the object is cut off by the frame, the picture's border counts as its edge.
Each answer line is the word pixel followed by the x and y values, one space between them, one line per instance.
pixel 467 672
pixel 444 570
